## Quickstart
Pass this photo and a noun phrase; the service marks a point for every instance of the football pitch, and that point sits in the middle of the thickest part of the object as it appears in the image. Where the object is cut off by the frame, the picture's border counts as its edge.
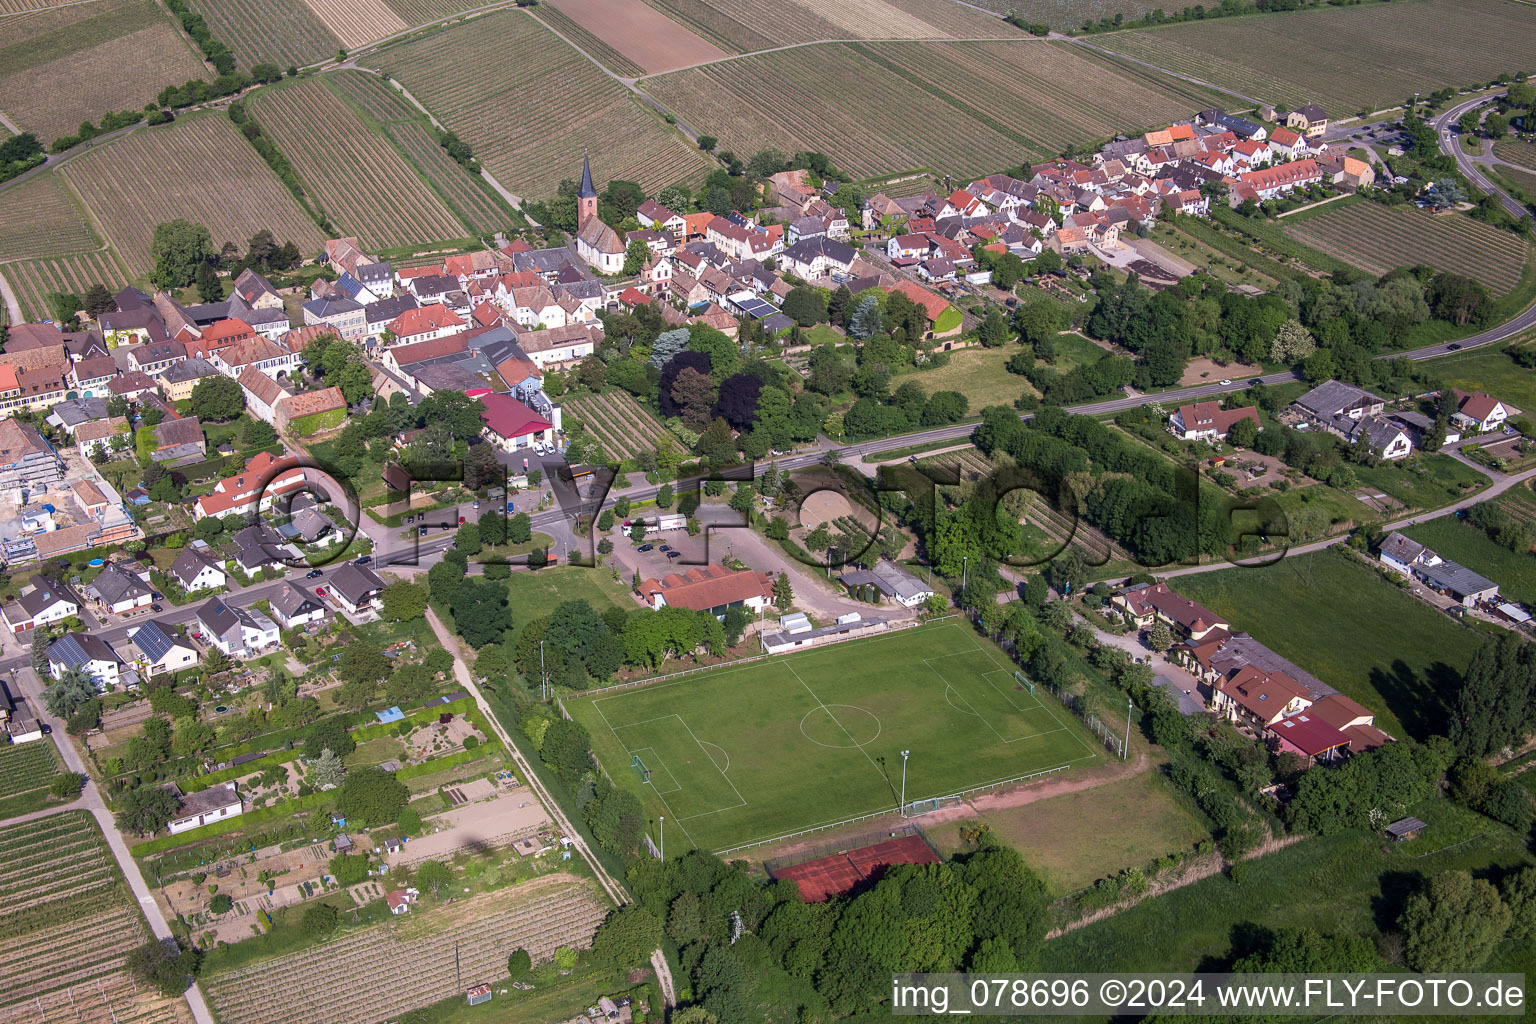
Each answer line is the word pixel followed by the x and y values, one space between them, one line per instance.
pixel 749 753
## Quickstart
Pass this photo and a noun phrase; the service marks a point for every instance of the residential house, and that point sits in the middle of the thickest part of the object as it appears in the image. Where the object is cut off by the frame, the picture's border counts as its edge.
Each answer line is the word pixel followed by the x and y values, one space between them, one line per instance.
pixel 137 325
pixel 534 307
pixel 343 315
pixel 91 376
pixel 259 546
pixel 160 648
pixel 194 570
pixel 378 315
pixel 1288 145
pixel 42 602
pixel 262 394
pixel 88 653
pixel 204 807
pixel 24 385
pixel 267 356
pixel 238 632
pixel 893 581
pixel 1403 555
pixel 1258 697
pixel 512 425
pixel 424 323
pixel 1308 736
pixel 1478 413
pixel 1332 399
pixel 294 607
pixel 741 241
pixel 1308 119
pixel 311 412
pixel 98 434
pixel 1208 421
pixel 712 588
pixel 357 589
pixel 816 257
pixel 1352 719
pixel 1269 182
pixel 179 378
pixel 252 490
pixel 217 336
pixel 118 589
pixel 179 442
pixel 560 345
pixel 1145 604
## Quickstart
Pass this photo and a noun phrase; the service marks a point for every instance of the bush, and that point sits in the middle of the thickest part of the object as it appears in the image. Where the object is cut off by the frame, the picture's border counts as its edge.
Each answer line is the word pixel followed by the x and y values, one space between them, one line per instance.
pixel 66 785
pixel 1239 872
pixel 319 919
pixel 221 903
pixel 471 742
pixel 519 964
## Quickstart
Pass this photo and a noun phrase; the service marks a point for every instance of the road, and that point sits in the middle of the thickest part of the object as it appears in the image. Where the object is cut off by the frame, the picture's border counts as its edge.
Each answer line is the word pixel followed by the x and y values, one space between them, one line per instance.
pixel 1471 166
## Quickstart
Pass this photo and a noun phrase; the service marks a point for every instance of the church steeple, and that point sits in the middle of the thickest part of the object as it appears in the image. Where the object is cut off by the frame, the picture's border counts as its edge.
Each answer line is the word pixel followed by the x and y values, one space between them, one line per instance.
pixel 586 199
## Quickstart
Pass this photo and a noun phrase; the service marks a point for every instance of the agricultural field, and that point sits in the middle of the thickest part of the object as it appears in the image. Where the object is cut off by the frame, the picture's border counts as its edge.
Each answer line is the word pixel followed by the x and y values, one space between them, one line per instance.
pixel 1377 238
pixel 67 64
pixel 284 32
pixel 1074 839
pixel 362 182
pixel 1326 614
pixel 1346 58
pixel 66 921
pixel 1063 15
pixel 876 108
pixel 742 28
pixel 494 82
pixel 199 168
pixel 39 216
pixel 26 769
pixel 472 200
pixel 354 979
pixel 643 36
pixel 34 279
pixel 419 12
pixel 621 425
pixel 589 43
pixel 356 22
pixel 750 753
pixel 1516 151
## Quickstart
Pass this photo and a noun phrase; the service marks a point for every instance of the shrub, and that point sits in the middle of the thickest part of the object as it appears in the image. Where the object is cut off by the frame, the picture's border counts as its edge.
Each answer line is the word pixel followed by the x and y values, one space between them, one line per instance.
pixel 222 903
pixel 471 742
pixel 319 919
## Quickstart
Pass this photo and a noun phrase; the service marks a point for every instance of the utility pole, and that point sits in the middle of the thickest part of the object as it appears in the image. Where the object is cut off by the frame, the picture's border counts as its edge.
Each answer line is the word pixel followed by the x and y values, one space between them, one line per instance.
pixel 543 676
pixel 904 755
pixel 1126 750
pixel 663 837
pixel 965 566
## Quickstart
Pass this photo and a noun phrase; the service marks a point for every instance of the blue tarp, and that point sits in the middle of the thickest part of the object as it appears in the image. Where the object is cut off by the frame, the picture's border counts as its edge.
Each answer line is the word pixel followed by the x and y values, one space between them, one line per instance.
pixel 391 715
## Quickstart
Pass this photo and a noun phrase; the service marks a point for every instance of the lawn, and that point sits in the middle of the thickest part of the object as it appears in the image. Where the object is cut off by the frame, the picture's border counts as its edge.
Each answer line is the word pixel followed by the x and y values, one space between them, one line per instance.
pixel 1491 370
pixel 1514 571
pixel 799 741
pixel 376 751
pixel 977 373
pixel 1427 482
pixel 1350 628
pixel 1365 883
pixel 535 594
pixel 1075 839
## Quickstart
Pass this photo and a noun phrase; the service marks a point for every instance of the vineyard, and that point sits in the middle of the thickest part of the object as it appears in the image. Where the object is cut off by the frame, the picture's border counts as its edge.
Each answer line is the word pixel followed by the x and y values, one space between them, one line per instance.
pixel 38 216
pixel 199 168
pixel 883 107
pixel 364 185
pixel 282 31
pixel 743 28
pixel 530 106
pixel 66 917
pixel 25 771
pixel 1516 152
pixel 419 12
pixel 594 47
pixel 356 22
pixel 64 65
pixel 1377 238
pixel 623 428
pixel 1346 58
pixel 1067 14
pixel 357 979
pixel 34 279
pixel 481 212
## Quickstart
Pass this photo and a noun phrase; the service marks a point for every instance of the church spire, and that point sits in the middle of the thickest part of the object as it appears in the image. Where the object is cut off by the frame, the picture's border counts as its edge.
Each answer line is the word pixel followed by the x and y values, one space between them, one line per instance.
pixel 587 191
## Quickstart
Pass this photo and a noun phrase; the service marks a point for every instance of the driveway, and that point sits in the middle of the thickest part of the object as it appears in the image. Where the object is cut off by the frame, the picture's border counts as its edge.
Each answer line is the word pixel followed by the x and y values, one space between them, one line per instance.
pixel 1166 674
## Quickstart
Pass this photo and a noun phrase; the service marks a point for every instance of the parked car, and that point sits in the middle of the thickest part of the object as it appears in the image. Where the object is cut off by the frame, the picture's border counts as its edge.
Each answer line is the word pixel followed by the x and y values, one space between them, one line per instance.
pixel 628 523
pixel 314 574
pixel 363 560
pixel 475 505
pixel 666 547
pixel 156 608
pixel 421 531
pixel 645 547
pixel 674 554
pixel 461 522
pixel 319 591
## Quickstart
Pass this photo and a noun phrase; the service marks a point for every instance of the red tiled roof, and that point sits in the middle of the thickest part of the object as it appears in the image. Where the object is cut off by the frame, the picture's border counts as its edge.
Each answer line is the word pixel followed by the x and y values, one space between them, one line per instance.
pixel 262 474
pixel 633 296
pixel 1478 405
pixel 1262 692
pixel 1211 416
pixel 434 316
pixel 1309 734
pixel 932 304
pixel 710 587
pixel 415 352
pixel 506 417
pixel 310 402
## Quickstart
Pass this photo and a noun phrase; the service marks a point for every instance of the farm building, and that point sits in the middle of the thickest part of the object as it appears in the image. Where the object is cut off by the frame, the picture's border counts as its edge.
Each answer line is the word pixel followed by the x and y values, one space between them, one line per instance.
pixel 205 806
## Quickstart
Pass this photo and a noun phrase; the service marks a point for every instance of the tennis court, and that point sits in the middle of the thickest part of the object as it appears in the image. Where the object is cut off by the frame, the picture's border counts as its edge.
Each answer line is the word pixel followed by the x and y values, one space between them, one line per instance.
pixel 751 752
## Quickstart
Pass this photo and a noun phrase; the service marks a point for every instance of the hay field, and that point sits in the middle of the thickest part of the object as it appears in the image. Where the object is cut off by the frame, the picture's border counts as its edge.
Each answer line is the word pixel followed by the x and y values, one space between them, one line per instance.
pixel 1346 58
pixel 199 168
pixel 885 107
pixel 282 31
pixel 743 28
pixel 363 183
pixel 530 106
pixel 64 65
pixel 642 34
pixel 1377 238
pixel 39 216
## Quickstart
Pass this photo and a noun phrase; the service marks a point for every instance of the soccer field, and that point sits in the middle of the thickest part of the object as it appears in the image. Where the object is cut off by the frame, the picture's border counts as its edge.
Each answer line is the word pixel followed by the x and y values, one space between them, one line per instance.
pixel 749 753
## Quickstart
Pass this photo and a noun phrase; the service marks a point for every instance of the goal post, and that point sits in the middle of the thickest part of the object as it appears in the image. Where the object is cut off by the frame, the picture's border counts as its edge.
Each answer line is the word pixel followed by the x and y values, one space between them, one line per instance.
pixel 1024 681
pixel 640 768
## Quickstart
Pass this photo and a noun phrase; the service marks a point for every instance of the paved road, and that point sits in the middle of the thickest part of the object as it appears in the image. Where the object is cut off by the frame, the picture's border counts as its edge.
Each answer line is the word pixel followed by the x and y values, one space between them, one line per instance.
pixel 1469 165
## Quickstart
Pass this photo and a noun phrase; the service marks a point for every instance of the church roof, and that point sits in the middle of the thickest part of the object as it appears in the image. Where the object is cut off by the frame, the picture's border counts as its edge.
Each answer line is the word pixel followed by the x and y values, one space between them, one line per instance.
pixel 587 191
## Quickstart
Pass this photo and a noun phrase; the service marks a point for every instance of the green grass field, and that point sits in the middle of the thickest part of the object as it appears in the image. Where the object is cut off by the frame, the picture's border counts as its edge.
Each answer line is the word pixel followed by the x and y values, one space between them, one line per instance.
pixel 1514 571
pixel 759 751
pixel 1491 370
pixel 1351 629
pixel 535 594
pixel 1427 482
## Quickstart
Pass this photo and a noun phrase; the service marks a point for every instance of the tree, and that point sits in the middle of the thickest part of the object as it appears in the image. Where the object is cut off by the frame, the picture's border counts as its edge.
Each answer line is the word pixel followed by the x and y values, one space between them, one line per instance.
pixel 864 317
pixel 434 876
pixel 67 693
pixel 627 937
pixel 327 771
pixel 1453 923
pixel 217 398
pixel 806 306
pixel 66 785
pixel 178 248
pixel 222 903
pixel 319 919
pixel 994 329
pixel 708 143
pixel 1519 892
pixel 520 528
pixel 480 611
pixel 258 434
pixel 1048 262
pixel 519 964
pixel 1490 711
pixel 163 965
pixel 636 256
pixel 1496 125
pixel 145 810
pixel 456 410
pixel 209 287
pixel 783 592
pixel 1160 637
pixel 665 497
pixel 1243 433
pixel 1292 343
pixel 404 601
pixel 328 734
pixel 372 796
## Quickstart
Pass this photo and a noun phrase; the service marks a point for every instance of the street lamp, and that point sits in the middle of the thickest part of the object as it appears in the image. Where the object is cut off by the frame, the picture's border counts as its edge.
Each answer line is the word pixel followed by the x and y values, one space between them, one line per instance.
pixel 663 837
pixel 904 755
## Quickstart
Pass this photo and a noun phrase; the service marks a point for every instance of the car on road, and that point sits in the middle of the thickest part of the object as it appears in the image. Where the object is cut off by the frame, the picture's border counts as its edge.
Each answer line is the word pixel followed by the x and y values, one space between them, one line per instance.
pixel 645 547
pixel 314 574
pixel 362 560
pixel 674 554
pixel 421 531
pixel 475 505
pixel 1256 380
pixel 448 526
pixel 1453 348
pixel 1226 382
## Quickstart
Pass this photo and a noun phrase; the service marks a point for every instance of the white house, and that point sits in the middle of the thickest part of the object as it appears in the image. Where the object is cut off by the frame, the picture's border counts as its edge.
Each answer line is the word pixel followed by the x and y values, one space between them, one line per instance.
pixel 196 571
pixel 1479 413
pixel 357 588
pixel 160 648
pixel 119 589
pixel 90 654
pixel 43 603
pixel 1401 554
pixel 293 606
pixel 205 807
pixel 236 631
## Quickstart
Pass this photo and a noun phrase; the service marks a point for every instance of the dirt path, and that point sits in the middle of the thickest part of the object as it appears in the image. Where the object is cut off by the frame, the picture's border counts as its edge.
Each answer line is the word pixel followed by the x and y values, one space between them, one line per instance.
pixel 12 304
